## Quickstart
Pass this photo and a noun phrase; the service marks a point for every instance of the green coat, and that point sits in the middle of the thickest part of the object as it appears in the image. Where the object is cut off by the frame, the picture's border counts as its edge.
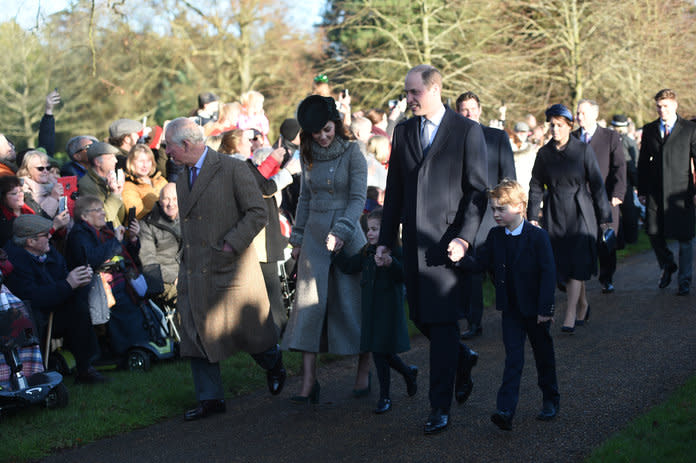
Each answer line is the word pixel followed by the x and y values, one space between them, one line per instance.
pixel 93 185
pixel 383 328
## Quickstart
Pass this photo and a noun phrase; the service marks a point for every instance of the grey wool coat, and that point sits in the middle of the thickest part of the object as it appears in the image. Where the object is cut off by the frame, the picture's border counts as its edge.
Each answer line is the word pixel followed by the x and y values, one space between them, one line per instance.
pixel 222 296
pixel 326 314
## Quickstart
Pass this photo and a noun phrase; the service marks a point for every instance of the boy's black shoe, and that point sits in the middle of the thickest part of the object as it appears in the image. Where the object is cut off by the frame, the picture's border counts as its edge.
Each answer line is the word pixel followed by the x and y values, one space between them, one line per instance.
pixel 666 276
pixel 463 384
pixel 474 330
pixel 548 412
pixel 502 419
pixel 437 421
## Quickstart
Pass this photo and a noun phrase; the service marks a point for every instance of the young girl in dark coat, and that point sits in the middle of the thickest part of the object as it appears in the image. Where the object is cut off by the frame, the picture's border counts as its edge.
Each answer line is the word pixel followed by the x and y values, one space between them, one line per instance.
pixel 383 330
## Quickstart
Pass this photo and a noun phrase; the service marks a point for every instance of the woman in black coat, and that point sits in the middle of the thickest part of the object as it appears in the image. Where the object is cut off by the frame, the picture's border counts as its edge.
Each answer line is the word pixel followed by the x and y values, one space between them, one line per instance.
pixel 574 202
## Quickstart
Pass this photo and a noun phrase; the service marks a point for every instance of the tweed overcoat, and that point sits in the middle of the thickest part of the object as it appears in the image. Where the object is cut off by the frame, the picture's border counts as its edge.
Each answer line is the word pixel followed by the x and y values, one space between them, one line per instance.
pixel 437 197
pixel 665 178
pixel 222 296
pixel 326 312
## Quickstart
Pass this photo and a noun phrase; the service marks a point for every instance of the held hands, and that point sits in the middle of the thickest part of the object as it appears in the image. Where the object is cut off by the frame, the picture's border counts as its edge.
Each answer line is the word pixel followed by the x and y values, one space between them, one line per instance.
pixel 616 202
pixel 535 223
pixel 383 256
pixel 333 243
pixel 457 249
pixel 79 276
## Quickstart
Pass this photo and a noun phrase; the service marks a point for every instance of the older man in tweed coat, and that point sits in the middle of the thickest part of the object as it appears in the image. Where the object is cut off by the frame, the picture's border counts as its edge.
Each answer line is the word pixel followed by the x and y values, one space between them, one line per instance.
pixel 222 301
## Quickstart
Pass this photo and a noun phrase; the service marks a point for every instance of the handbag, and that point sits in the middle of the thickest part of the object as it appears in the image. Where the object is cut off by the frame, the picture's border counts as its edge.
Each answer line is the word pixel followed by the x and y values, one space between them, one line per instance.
pixel 100 299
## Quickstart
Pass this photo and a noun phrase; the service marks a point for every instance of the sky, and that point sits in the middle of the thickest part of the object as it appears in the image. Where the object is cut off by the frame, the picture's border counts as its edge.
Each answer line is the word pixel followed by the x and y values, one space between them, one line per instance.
pixel 305 13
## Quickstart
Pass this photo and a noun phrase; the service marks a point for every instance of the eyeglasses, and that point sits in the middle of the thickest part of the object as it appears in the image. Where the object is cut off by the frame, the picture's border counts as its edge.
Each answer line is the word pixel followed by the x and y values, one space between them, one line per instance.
pixel 42 168
pixel 40 235
pixel 323 78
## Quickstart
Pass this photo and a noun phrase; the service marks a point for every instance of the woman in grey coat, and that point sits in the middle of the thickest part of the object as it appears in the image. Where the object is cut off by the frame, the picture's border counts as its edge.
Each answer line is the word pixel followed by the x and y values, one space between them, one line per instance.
pixel 326 312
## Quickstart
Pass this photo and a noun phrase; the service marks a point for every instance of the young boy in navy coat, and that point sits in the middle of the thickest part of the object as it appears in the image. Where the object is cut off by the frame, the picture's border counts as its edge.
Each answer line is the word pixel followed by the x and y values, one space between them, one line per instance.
pixel 520 258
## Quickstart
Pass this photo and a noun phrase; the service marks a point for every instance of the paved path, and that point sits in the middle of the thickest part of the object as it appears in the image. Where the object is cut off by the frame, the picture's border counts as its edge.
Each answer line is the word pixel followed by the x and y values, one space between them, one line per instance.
pixel 637 348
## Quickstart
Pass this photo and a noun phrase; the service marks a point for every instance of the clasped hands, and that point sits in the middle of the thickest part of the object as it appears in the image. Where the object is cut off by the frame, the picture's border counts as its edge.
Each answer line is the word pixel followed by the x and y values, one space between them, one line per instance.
pixel 456 250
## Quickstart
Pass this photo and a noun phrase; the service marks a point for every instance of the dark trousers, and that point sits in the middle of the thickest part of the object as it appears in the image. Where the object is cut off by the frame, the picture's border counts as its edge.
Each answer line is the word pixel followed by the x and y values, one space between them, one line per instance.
pixel 207 379
pixel 474 310
pixel 275 296
pixel 607 264
pixel 447 353
pixel 665 257
pixel 515 330
pixel 75 325
pixel 383 364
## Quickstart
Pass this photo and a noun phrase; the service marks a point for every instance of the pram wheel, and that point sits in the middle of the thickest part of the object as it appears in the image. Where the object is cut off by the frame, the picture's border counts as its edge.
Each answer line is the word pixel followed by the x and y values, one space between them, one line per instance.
pixel 138 360
pixel 57 397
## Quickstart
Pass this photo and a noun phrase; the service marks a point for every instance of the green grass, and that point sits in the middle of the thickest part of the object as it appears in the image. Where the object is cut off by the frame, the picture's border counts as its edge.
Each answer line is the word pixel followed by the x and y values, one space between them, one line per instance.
pixel 667 433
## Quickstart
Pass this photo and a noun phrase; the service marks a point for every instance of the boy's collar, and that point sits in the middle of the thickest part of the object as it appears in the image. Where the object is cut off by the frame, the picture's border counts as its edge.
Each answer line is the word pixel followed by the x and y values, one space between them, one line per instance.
pixel 517 231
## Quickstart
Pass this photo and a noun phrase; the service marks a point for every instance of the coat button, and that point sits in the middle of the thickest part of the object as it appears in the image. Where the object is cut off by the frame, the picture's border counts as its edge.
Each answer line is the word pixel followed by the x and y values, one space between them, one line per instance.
pixel 203 270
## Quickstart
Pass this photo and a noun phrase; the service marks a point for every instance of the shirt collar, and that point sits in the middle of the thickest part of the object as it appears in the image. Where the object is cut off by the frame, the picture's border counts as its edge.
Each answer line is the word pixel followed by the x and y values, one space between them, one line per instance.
pixel 199 164
pixel 517 231
pixel 437 118
pixel 669 123
pixel 591 132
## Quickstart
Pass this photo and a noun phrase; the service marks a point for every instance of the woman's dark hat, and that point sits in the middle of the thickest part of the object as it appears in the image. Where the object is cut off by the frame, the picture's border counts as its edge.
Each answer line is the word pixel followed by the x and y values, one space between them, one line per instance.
pixel 559 110
pixel 619 120
pixel 315 111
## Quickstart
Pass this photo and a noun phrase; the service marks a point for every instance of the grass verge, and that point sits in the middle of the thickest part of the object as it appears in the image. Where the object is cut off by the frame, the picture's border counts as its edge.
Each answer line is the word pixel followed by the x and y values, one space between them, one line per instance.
pixel 667 433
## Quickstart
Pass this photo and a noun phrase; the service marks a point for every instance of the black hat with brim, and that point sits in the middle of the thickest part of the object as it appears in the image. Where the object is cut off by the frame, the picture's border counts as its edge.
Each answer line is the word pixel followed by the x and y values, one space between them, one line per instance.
pixel 315 111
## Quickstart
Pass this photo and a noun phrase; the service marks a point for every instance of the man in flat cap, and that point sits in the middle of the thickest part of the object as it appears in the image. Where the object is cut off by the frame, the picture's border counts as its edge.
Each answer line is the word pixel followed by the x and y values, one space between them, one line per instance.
pixel 123 134
pixel 40 275
pixel 101 181
pixel 76 148
pixel 208 108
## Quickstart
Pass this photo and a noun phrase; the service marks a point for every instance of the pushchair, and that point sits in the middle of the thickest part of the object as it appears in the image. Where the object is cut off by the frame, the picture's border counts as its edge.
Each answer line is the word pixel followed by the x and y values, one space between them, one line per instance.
pixel 17 390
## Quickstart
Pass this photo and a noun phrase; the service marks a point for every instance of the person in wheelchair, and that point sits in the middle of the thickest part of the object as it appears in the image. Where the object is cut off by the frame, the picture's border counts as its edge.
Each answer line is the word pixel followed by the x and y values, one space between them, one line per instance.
pixel 112 253
pixel 40 275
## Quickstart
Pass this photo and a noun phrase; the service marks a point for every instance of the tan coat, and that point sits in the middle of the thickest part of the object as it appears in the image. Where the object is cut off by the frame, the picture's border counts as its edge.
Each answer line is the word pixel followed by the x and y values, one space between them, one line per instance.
pixel 142 196
pixel 222 301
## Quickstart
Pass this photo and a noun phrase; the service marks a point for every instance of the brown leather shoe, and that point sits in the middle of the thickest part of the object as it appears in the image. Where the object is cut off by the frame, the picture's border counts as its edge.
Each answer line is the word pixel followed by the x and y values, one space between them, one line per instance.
pixel 205 408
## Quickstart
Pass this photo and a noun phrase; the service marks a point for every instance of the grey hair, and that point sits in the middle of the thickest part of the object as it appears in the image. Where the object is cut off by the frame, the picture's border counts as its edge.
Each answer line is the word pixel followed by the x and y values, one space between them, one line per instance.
pixel 183 128
pixel 592 103
pixel 73 145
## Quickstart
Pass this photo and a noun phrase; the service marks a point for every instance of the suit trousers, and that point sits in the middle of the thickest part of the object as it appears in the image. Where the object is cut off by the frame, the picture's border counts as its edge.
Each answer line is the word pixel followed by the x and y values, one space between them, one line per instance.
pixel 665 257
pixel 474 310
pixel 446 354
pixel 515 329
pixel 207 379
pixel 607 260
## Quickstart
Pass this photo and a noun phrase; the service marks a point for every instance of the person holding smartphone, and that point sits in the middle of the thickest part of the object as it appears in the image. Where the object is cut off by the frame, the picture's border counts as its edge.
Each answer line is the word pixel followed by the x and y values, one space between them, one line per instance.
pixel 103 181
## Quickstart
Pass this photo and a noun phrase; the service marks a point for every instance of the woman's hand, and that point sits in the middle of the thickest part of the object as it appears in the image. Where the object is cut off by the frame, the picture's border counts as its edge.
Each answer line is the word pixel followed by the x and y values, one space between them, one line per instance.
pixel 278 154
pixel 79 276
pixel 57 191
pixel 134 230
pixel 61 220
pixel 295 253
pixel 535 223
pixel 333 243
pixel 119 232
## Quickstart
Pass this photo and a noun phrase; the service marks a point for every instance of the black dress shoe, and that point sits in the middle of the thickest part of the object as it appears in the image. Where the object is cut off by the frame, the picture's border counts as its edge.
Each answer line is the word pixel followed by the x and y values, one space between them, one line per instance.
pixel 666 277
pixel 548 412
pixel 411 383
pixel 683 290
pixel 607 288
pixel 502 419
pixel 91 376
pixel 205 408
pixel 474 330
pixel 437 421
pixel 275 378
pixel 463 384
pixel 383 406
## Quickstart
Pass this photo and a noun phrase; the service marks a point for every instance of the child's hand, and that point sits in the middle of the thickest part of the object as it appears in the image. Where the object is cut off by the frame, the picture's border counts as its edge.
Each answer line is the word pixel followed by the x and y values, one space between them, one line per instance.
pixel 386 260
pixel 543 319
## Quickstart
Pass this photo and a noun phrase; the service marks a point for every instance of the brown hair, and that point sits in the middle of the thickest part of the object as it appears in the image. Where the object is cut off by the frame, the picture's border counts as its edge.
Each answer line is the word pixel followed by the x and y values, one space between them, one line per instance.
pixel 666 94
pixel 509 192
pixel 230 141
pixel 306 141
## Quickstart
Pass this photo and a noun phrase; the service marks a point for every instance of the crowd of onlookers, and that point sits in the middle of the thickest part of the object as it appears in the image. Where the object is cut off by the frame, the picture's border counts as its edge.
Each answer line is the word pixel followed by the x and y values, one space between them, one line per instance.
pixel 80 231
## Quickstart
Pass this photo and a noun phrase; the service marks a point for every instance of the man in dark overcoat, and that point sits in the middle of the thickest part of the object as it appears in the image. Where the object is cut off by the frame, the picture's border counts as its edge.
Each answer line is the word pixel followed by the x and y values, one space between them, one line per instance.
pixel 222 298
pixel 501 164
pixel 666 187
pixel 436 189
pixel 611 158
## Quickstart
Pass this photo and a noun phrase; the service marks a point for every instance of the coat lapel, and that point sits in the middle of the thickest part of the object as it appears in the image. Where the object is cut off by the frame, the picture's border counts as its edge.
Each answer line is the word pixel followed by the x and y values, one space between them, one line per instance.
pixel 442 134
pixel 205 176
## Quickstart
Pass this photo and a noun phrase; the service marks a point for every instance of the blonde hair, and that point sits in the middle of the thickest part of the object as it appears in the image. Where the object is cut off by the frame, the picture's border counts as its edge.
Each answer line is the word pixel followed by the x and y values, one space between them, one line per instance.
pixel 136 150
pixel 378 145
pixel 28 157
pixel 249 98
pixel 509 192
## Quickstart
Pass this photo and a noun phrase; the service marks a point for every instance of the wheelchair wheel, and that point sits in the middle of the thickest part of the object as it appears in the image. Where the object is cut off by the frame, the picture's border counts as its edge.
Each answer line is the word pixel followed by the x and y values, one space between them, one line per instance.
pixel 58 397
pixel 138 360
pixel 57 362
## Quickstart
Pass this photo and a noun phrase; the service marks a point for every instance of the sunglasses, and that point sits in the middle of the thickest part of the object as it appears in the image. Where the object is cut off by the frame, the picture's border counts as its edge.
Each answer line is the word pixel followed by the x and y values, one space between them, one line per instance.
pixel 42 168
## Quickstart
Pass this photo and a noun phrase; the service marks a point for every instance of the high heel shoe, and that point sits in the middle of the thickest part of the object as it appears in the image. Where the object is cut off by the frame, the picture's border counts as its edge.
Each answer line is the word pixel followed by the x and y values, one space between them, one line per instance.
pixel 587 317
pixel 358 393
pixel 410 378
pixel 568 329
pixel 312 398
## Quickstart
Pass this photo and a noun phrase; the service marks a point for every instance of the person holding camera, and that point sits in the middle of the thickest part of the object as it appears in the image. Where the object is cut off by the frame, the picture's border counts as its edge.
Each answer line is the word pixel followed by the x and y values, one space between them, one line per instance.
pixel 102 181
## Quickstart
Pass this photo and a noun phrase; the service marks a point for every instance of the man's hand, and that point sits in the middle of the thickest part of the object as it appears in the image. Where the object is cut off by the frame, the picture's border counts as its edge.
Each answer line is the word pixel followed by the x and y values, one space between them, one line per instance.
pixel 79 276
pixel 61 220
pixel 381 255
pixel 456 249
pixel 52 99
pixel 543 319
pixel 133 230
pixel 616 201
pixel 535 223
pixel 114 185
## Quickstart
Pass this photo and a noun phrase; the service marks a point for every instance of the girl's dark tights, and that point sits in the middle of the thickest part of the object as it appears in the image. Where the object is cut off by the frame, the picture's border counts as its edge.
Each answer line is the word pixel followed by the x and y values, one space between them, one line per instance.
pixel 383 362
